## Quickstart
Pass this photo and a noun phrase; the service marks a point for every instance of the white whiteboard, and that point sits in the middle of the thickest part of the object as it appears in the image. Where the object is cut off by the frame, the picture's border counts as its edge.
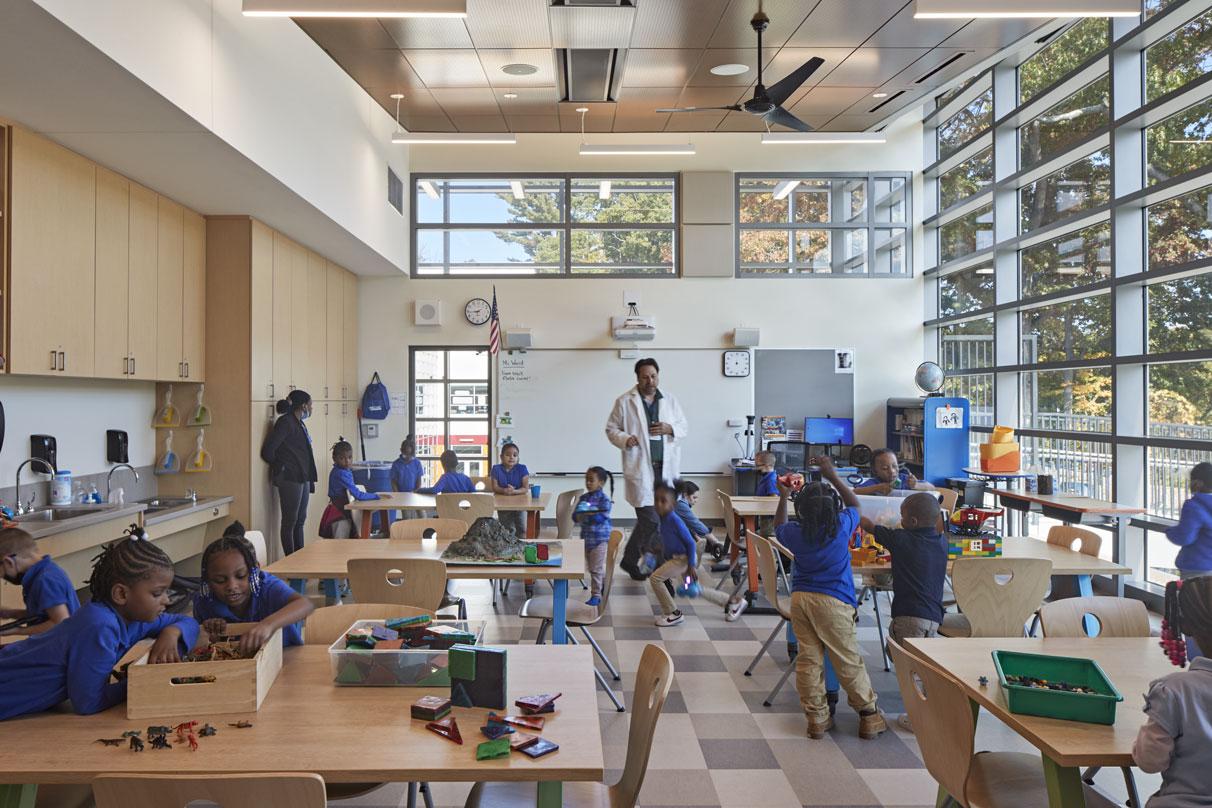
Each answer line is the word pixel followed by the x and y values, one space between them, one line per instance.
pixel 559 401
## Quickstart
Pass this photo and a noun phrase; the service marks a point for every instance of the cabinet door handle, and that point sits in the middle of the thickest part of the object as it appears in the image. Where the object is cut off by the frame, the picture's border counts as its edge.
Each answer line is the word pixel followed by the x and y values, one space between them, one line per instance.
pixel 326 395
pixel 187 370
pixel 62 361
pixel 126 366
pixel 54 361
pixel 132 366
pixel 180 370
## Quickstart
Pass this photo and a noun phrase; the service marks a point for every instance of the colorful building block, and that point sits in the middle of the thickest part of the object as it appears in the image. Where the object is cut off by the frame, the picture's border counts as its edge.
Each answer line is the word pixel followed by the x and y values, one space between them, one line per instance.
pixel 480 680
pixel 493 749
pixel 430 708
pixel 542 703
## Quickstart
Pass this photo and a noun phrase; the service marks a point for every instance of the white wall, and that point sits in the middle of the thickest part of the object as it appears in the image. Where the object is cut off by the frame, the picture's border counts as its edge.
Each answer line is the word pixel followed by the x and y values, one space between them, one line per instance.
pixel 77 412
pixel 880 318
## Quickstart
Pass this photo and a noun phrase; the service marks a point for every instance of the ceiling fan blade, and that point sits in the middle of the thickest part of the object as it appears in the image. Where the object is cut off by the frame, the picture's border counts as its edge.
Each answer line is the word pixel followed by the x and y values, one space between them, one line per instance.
pixel 781 90
pixel 733 108
pixel 782 117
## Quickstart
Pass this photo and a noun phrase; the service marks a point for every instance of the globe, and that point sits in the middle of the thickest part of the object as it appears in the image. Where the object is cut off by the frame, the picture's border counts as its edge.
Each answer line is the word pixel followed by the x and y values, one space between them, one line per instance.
pixel 929 377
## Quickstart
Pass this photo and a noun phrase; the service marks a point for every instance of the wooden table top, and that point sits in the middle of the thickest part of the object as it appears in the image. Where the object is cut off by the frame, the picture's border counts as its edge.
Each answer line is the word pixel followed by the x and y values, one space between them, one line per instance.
pixel 410 501
pixel 345 734
pixel 329 558
pixel 1064 561
pixel 1131 663
pixel 1071 502
pixel 756 506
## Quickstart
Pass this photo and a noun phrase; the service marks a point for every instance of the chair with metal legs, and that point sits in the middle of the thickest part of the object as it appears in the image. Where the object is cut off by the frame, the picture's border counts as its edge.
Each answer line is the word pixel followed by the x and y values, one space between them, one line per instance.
pixel 765 554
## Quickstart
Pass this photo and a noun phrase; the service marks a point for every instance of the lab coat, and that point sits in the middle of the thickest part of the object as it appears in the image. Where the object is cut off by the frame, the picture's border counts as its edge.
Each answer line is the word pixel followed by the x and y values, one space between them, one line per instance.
pixel 628 419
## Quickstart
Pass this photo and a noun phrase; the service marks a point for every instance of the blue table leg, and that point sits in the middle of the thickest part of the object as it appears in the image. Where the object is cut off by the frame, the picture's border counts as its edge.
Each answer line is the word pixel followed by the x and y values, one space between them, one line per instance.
pixel 329 587
pixel 550 792
pixel 298 584
pixel 559 620
pixel 1085 588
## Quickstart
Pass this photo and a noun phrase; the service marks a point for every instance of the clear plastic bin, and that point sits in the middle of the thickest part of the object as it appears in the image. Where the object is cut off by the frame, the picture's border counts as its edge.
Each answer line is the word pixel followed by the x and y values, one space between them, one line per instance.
pixel 394 667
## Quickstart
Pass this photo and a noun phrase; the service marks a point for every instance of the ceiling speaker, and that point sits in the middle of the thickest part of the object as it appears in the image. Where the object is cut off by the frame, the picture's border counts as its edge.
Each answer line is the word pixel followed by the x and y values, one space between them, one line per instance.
pixel 427 312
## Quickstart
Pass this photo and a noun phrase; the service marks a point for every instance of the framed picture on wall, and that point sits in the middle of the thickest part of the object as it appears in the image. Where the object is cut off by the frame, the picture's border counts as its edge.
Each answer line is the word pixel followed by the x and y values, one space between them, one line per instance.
pixel 843 360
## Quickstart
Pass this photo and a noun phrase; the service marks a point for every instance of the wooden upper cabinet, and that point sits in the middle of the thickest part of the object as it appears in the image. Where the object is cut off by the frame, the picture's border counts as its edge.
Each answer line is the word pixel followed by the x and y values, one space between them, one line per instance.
pixel 53 258
pixel 317 324
pixel 193 299
pixel 334 343
pixel 142 276
pixel 301 366
pixel 283 273
pixel 170 267
pixel 349 335
pixel 111 356
pixel 261 330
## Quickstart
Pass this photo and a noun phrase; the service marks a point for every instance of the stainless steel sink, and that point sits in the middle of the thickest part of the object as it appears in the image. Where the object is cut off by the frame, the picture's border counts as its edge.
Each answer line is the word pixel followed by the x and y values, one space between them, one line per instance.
pixel 158 504
pixel 59 514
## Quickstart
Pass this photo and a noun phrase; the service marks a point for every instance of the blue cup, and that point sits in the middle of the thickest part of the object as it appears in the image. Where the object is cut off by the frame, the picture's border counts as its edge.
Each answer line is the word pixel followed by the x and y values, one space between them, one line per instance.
pixel 535 491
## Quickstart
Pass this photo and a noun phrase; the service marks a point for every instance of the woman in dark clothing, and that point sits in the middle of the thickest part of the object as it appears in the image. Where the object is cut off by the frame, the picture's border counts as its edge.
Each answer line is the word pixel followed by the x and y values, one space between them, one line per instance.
pixel 292 467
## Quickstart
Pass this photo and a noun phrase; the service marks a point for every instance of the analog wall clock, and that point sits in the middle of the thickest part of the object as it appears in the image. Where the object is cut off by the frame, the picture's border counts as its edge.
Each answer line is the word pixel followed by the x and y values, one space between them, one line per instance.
pixel 477 311
pixel 736 364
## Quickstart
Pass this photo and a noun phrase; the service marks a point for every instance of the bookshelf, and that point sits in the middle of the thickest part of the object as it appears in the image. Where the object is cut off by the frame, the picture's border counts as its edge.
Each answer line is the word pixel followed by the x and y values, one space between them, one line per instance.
pixel 930 452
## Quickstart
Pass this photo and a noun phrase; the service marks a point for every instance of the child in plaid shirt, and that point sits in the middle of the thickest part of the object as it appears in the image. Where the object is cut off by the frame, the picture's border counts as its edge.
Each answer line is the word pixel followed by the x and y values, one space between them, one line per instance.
pixel 592 513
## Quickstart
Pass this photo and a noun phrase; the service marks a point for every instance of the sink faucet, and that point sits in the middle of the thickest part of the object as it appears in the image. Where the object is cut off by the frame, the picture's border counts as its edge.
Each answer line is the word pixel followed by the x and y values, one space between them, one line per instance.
pixel 192 493
pixel 26 508
pixel 109 477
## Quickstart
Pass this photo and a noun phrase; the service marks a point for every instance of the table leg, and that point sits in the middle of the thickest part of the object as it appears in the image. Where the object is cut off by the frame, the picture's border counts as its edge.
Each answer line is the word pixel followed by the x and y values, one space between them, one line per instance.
pixel 550 793
pixel 750 561
pixel 559 606
pixel 18 796
pixel 1064 785
pixel 299 585
pixel 367 517
pixel 1085 588
pixel 1121 551
pixel 532 524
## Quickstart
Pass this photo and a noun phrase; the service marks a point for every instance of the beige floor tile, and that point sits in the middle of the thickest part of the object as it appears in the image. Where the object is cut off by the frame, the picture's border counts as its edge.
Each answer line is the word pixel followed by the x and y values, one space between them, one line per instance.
pixel 819 772
pixel 725 725
pixel 710 693
pixel 900 786
pixel 754 788
pixel 669 788
pixel 675 746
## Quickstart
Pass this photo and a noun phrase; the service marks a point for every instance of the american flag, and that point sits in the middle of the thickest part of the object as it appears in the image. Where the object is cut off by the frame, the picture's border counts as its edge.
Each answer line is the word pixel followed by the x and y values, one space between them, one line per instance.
pixel 494 327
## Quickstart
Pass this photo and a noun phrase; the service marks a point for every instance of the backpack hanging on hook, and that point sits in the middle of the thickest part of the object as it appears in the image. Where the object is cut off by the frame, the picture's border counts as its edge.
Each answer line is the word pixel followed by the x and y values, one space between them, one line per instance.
pixel 376 403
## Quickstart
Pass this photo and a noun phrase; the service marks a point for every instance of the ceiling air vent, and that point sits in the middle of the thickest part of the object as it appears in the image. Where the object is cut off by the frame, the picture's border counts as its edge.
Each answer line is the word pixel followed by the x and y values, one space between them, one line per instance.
pixel 590 38
pixel 887 100
pixel 942 66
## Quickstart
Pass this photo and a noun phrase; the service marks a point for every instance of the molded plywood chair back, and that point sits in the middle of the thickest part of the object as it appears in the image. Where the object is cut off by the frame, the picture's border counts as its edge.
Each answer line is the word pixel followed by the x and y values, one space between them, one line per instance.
pixel 257 539
pixel 466 507
pixel 1113 617
pixel 482 483
pixel 412 529
pixel 227 790
pixel 767 553
pixel 947 497
pixel 1072 537
pixel 326 624
pixel 565 503
pixel 416 582
pixel 996 595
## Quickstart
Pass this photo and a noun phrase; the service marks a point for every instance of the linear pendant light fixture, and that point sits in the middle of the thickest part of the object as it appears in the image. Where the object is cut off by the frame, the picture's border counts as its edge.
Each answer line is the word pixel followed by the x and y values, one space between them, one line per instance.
pixel 355 8
pixel 454 138
pixel 629 149
pixel 777 138
pixel 1018 9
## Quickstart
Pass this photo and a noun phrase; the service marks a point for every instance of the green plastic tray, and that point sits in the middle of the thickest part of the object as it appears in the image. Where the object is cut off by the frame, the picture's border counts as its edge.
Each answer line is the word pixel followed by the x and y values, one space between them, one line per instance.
pixel 1092 708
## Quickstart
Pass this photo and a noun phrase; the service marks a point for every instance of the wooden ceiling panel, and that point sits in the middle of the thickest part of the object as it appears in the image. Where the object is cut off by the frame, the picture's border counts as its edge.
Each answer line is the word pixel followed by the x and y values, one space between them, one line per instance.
pixel 711 96
pixel 427 123
pixel 789 59
pixel 641 101
pixel 741 122
pixel 997 33
pixel 416 101
pixel 415 33
pixel 379 68
pixel 529 101
pixel 785 17
pixel 703 77
pixel 599 118
pixel 694 121
pixel 659 68
pixel 969 59
pixel 651 122
pixel 676 23
pixel 508 23
pixel 830 101
pixel 534 123
pixel 347 35
pixel 493 60
pixel 465 101
pixel 448 68
pixel 479 123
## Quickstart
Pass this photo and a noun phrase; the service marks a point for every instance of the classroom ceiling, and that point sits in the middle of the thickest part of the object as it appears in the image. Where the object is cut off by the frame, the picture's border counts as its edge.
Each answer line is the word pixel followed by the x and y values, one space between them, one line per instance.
pixel 450 71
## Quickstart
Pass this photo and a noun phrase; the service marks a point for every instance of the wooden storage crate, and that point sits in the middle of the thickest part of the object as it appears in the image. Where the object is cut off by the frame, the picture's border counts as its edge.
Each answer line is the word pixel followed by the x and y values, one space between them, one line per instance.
pixel 240 684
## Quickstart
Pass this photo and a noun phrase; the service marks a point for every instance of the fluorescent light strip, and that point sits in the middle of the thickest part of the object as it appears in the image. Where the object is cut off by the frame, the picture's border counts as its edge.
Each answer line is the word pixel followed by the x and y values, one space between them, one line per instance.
pixel 428 188
pixel 454 138
pixel 1023 9
pixel 355 8
pixel 784 189
pixel 516 187
pixel 636 149
pixel 787 138
pixel 604 189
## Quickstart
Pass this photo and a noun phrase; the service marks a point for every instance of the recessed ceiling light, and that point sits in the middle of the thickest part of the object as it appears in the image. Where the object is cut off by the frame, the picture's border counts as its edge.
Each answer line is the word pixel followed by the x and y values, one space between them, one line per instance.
pixel 519 69
pixel 879 95
pixel 509 96
pixel 731 69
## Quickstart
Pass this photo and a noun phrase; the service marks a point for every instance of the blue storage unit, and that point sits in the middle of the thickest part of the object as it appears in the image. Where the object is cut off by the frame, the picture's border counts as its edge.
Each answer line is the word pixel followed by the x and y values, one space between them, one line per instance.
pixel 375 476
pixel 933 448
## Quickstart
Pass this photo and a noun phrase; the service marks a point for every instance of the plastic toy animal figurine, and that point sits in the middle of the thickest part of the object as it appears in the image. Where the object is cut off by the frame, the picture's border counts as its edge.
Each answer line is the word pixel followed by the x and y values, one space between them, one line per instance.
pixel 160 742
pixel 241 724
pixel 183 729
pixel 207 731
pixel 193 742
pixel 136 743
pixel 983 681
pixel 158 730
pixel 132 733
pixel 110 741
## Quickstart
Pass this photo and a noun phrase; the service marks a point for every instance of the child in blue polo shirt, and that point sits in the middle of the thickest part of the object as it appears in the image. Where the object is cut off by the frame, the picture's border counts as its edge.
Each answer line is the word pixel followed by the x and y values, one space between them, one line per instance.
pixel 510 477
pixel 342 490
pixel 236 590
pixel 888 476
pixel 406 470
pixel 592 513
pixel 50 598
pixel 130 588
pixel 451 481
pixel 768 479
pixel 823 603
pixel 1193 533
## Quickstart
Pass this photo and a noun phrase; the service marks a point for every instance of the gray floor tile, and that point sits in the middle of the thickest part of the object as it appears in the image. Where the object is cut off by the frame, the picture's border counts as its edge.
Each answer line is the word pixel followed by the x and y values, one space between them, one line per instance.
pixel 749 753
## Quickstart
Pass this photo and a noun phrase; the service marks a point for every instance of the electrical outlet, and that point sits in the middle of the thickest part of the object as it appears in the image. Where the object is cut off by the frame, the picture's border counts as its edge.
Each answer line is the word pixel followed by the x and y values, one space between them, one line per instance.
pixel 370 430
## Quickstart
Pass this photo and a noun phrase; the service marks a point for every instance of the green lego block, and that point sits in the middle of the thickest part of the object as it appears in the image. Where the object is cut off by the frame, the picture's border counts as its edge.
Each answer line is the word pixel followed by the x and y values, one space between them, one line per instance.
pixel 531 553
pixel 492 749
pixel 462 659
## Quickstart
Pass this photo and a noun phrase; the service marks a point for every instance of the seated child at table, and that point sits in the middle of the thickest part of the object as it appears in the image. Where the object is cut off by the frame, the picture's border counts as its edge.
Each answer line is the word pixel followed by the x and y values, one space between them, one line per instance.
pixel 887 477
pixel 767 478
pixel 592 513
pixel 130 586
pixel 50 598
pixel 682 555
pixel 510 477
pixel 1194 529
pixel 406 470
pixel 823 602
pixel 236 590
pixel 342 491
pixel 451 481
pixel 1176 740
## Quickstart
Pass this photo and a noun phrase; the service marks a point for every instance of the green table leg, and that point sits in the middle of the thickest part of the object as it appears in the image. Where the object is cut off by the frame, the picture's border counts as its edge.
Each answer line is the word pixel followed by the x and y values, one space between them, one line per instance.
pixel 551 794
pixel 943 799
pixel 18 796
pixel 1064 785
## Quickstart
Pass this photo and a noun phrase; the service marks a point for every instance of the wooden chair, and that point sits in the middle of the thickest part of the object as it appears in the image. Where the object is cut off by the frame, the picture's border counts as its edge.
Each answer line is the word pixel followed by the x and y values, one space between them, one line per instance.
pixel 1071 537
pixel 418 582
pixel 257 539
pixel 652 683
pixel 1113 617
pixel 412 529
pixel 991 607
pixel 947 497
pixel 731 538
pixel 582 616
pixel 451 506
pixel 325 625
pixel 945 725
pixel 482 483
pixel 228 790
pixel 566 502
pixel 766 552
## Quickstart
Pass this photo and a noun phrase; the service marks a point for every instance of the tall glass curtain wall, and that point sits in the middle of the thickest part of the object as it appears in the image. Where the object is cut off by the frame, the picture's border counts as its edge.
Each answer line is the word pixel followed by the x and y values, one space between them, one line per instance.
pixel 1069 240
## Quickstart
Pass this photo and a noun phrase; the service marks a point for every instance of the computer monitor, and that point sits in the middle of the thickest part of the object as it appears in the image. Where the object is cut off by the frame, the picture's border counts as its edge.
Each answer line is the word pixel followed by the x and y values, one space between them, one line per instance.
pixel 789 455
pixel 829 431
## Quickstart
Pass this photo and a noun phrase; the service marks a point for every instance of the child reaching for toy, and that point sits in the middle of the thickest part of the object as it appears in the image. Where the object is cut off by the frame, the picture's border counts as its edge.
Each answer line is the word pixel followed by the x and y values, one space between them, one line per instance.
pixel 1176 739
pixel 50 598
pixel 888 476
pixel 823 602
pixel 129 586
pixel 510 477
pixel 592 513
pixel 236 590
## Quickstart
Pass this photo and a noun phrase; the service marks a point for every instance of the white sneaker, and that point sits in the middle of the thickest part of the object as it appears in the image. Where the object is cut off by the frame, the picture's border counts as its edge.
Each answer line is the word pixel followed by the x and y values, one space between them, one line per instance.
pixel 734 610
pixel 669 619
pixel 903 722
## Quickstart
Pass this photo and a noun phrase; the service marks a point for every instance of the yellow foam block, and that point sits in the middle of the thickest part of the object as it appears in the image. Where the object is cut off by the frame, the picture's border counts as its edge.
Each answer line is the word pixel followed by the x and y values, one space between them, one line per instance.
pixel 1002 434
pixel 992 451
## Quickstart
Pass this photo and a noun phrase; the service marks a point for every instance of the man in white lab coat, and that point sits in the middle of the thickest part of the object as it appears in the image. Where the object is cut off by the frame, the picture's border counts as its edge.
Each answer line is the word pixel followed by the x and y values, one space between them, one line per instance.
pixel 649 427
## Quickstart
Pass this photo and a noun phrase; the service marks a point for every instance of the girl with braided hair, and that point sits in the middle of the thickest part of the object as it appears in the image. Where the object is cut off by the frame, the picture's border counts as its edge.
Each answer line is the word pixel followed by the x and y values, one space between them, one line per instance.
pixel 236 590
pixel 1176 740
pixel 823 602
pixel 129 585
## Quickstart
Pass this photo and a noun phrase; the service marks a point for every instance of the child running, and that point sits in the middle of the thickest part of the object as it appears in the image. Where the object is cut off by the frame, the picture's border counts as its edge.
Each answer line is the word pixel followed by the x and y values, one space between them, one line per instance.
pixel 129 585
pixel 592 513
pixel 236 590
pixel 823 602
pixel 50 598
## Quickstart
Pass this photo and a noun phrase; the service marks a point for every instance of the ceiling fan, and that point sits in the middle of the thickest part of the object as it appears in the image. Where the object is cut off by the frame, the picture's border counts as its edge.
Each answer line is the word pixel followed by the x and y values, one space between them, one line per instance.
pixel 767 102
